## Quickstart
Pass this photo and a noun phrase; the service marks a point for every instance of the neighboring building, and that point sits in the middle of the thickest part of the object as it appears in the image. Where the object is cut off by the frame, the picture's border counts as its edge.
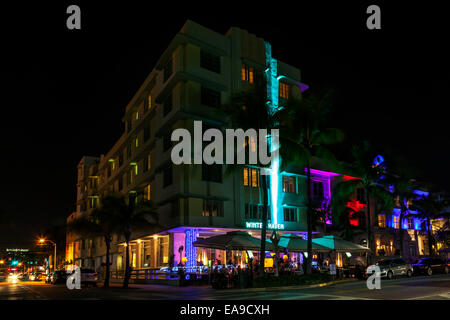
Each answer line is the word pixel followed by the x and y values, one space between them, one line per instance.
pixel 196 74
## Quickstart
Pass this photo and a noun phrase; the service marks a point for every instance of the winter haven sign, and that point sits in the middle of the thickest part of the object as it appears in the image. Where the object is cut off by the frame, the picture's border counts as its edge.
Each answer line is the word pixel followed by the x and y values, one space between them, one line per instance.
pixel 258 225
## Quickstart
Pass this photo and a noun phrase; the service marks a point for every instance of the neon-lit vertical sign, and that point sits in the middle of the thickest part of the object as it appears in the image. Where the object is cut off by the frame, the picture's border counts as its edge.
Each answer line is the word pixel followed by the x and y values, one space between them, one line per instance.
pixel 272 107
pixel 191 251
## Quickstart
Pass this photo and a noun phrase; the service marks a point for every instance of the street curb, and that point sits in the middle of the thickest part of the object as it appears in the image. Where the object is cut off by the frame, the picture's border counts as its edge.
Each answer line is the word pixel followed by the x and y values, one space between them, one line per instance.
pixel 323 284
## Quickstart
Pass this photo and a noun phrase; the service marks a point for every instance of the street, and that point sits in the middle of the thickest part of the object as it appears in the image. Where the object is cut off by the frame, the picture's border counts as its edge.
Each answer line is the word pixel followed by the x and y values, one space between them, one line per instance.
pixel 417 288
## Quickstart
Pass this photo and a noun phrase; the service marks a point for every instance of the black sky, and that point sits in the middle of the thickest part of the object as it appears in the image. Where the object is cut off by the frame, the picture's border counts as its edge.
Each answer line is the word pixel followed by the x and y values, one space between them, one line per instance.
pixel 64 92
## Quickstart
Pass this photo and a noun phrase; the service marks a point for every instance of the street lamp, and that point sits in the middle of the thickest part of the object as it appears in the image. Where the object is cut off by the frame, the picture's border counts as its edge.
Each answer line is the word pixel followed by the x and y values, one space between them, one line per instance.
pixel 42 241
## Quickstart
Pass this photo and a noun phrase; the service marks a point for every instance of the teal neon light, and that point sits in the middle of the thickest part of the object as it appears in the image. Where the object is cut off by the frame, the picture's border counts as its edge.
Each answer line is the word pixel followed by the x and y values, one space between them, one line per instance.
pixel 272 107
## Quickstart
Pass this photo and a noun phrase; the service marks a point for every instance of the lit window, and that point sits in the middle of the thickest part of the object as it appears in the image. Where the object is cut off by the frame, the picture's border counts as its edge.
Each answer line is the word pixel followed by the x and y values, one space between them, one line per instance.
pixel 247 73
pixel 284 90
pixel 212 208
pixel 255 181
pixel 289 184
pixel 246 178
pixel 382 221
pixel 410 223
pixel 396 222
pixel 147 192
pixel 251 177
pixel 137 115
pixel 137 142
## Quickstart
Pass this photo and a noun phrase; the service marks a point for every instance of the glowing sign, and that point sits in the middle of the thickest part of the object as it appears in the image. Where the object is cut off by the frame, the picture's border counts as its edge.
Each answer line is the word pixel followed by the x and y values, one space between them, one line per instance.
pixel 258 225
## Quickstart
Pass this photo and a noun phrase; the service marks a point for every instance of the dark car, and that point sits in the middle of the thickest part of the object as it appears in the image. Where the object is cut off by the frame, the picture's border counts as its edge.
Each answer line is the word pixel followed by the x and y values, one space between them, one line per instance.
pixel 89 276
pixel 429 266
pixel 390 268
pixel 58 276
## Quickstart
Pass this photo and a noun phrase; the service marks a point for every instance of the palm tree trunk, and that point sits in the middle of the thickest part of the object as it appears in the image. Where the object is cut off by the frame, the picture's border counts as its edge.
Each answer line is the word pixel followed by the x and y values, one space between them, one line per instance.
pixel 401 232
pixel 430 237
pixel 108 249
pixel 369 230
pixel 264 226
pixel 309 218
pixel 126 278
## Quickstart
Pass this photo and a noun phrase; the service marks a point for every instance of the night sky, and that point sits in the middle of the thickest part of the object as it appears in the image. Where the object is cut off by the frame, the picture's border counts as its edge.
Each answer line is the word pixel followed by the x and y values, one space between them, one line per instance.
pixel 64 91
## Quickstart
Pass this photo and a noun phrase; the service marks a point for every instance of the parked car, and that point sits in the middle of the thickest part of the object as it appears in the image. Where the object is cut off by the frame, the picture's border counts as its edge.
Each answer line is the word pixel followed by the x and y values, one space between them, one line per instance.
pixel 58 276
pixel 37 276
pixel 3 276
pixel 89 276
pixel 390 268
pixel 429 266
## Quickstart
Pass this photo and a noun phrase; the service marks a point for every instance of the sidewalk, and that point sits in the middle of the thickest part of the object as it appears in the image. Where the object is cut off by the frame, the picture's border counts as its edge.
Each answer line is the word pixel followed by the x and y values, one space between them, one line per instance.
pixel 167 288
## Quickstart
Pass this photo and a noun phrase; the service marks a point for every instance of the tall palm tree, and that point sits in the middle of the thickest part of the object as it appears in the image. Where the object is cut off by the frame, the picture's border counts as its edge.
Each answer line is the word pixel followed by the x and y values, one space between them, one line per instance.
pixel 248 110
pixel 402 188
pixel 101 222
pixel 133 216
pixel 370 176
pixel 428 209
pixel 303 134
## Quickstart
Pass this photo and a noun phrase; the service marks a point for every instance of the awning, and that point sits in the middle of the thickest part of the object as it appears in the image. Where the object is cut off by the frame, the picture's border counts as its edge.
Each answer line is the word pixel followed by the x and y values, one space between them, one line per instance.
pixel 234 240
pixel 338 244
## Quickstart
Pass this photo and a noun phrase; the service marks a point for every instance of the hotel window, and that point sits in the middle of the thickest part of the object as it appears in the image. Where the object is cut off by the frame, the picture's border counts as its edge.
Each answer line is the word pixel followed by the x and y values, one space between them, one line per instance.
pixel 167 142
pixel 120 183
pixel 209 61
pixel 410 223
pixel 247 73
pixel 284 90
pixel 147 131
pixel 253 211
pixel 167 176
pixel 382 220
pixel 251 177
pixel 120 159
pixel 317 188
pixel 290 214
pixel 147 103
pixel 168 69
pixel 129 150
pixel 360 195
pixel 168 102
pixel 147 163
pixel 147 194
pixel 129 125
pixel 130 175
pixel 212 208
pixel 289 184
pixel 212 172
pixel 210 97
pixel 396 222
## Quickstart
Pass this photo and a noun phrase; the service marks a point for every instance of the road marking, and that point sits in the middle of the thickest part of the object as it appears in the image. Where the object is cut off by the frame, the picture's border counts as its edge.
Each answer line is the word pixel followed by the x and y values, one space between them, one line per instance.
pixel 444 295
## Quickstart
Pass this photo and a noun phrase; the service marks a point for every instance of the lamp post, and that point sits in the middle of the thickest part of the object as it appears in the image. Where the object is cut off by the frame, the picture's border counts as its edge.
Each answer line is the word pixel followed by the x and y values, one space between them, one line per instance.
pixel 42 241
pixel 275 238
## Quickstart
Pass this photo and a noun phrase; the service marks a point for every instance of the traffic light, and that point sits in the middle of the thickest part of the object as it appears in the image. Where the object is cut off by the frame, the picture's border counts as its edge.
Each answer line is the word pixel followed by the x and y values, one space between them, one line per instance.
pixel 14 262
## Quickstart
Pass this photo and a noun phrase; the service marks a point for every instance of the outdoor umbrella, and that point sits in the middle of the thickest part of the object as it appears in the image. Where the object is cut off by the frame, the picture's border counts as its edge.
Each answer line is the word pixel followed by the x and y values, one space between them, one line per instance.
pixel 234 240
pixel 339 245
pixel 294 243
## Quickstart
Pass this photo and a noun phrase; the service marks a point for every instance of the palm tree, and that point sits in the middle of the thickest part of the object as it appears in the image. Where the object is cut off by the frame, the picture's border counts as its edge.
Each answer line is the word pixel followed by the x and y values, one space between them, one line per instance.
pixel 402 188
pixel 303 134
pixel 248 110
pixel 370 176
pixel 101 222
pixel 428 209
pixel 133 217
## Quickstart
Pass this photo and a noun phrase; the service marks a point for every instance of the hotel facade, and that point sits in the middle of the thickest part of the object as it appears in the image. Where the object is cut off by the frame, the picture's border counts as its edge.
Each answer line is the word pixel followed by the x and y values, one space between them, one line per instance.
pixel 198 73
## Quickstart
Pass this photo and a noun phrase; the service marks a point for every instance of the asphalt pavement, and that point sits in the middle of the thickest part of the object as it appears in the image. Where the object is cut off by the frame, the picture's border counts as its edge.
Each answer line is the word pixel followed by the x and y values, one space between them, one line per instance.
pixel 436 287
